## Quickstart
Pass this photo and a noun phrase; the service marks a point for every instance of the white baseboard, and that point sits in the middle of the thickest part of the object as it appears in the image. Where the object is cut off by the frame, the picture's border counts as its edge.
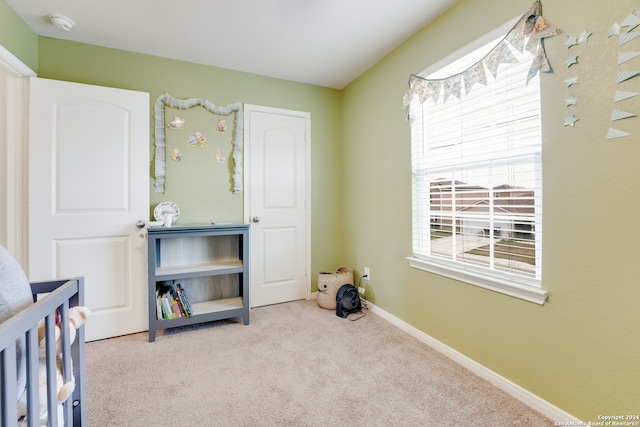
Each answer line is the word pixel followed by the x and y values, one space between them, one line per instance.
pixel 513 389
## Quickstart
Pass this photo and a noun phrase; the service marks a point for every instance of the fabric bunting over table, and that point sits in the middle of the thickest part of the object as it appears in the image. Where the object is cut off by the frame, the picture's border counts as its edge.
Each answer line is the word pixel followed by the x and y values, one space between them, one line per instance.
pixel 527 33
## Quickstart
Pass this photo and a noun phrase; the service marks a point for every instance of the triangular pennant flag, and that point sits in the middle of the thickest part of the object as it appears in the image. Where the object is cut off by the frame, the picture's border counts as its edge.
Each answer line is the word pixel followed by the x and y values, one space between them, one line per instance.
pixel 627 37
pixel 473 75
pixel 626 56
pixel 622 95
pixel 419 87
pixel 615 133
pixel 626 75
pixel 516 36
pixel 409 93
pixel 500 54
pixel 539 63
pixel 452 86
pixel 434 87
pixel 492 63
pixel 406 99
pixel 542 29
pixel 619 115
pixel 630 21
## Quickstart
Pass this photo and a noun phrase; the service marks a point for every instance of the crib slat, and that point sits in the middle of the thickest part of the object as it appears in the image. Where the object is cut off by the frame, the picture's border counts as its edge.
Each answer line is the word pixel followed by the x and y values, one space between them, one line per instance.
pixel 33 404
pixel 12 329
pixel 9 378
pixel 66 363
pixel 50 352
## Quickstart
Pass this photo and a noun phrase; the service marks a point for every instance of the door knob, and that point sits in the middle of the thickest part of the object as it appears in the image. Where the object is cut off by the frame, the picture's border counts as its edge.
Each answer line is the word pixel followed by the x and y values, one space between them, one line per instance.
pixel 140 224
pixel 255 219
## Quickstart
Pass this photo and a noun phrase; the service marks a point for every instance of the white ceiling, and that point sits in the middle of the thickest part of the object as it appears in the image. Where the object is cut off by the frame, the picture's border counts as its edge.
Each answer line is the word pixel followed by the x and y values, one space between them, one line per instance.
pixel 321 42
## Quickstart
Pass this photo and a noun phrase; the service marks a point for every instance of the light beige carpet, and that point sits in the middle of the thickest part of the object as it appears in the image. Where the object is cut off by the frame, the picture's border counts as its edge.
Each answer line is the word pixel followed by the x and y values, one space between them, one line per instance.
pixel 296 364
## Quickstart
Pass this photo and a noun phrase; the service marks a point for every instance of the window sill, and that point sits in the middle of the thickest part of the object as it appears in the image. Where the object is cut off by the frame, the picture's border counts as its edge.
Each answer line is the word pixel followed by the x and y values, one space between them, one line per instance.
pixel 524 292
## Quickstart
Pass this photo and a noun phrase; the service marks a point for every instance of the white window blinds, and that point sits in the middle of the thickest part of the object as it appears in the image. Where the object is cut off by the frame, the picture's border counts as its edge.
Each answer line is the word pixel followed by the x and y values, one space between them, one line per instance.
pixel 476 170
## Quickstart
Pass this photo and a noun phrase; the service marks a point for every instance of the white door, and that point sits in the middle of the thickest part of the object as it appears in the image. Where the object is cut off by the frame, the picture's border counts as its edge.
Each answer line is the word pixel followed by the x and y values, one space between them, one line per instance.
pixel 88 186
pixel 277 147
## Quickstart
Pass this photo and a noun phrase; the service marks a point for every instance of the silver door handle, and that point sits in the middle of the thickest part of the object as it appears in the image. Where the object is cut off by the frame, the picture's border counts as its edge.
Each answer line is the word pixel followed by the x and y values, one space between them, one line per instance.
pixel 140 224
pixel 255 219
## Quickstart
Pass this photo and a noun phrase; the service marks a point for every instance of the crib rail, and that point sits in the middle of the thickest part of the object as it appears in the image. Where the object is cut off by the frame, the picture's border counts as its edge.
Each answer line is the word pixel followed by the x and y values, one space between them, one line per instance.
pixel 50 297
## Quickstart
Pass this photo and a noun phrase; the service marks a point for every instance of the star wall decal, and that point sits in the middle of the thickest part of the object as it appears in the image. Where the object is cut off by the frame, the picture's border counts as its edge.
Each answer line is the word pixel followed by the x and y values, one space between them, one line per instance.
pixel 613 30
pixel 570 120
pixel 571 41
pixel 571 80
pixel 571 100
pixel 584 37
pixel 571 59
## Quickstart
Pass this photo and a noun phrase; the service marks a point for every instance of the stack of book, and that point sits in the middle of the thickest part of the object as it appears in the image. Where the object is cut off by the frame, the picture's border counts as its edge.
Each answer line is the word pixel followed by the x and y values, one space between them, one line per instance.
pixel 172 302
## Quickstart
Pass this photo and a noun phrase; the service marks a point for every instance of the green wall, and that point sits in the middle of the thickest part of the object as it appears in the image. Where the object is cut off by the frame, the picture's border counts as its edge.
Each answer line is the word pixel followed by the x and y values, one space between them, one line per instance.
pixel 17 37
pixel 581 350
pixel 203 195
pixel 200 193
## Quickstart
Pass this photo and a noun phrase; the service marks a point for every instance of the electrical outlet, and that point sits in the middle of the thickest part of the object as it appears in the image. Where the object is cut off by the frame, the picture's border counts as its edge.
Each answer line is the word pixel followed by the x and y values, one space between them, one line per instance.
pixel 367 273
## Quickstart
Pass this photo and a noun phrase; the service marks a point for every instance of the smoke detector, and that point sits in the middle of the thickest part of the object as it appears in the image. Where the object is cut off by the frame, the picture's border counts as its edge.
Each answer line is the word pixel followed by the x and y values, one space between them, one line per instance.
pixel 61 21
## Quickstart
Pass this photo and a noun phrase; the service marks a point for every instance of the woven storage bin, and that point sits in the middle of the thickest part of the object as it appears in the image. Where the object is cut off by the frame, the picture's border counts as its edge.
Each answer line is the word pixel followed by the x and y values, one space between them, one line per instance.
pixel 328 285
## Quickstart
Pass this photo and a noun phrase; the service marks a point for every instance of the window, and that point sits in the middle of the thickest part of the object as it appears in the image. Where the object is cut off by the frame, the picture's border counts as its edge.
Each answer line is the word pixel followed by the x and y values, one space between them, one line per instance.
pixel 477 179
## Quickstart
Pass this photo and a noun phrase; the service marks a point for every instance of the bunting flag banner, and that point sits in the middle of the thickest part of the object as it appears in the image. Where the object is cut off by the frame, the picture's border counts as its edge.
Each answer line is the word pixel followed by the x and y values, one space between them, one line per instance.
pixel 621 95
pixel 626 75
pixel 625 34
pixel 630 21
pixel 627 37
pixel 626 56
pixel 527 34
pixel 619 115
pixel 615 133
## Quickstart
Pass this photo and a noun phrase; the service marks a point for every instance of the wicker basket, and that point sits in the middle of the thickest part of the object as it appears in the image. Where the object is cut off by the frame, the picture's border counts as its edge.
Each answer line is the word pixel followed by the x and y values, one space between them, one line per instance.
pixel 328 285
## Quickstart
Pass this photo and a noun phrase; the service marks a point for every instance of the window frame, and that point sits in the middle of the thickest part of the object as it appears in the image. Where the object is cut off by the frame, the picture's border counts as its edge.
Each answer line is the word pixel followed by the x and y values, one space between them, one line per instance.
pixel 511 285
